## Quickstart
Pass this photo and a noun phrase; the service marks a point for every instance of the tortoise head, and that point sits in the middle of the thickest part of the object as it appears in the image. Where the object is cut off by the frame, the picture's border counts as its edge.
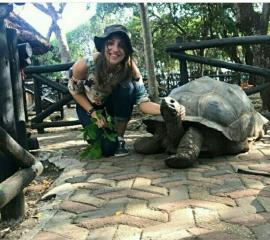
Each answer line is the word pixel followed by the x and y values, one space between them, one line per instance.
pixel 169 108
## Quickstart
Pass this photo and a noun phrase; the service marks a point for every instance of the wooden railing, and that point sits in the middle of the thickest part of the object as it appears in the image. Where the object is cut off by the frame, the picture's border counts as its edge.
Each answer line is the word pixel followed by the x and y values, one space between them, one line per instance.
pixel 36 73
pixel 178 49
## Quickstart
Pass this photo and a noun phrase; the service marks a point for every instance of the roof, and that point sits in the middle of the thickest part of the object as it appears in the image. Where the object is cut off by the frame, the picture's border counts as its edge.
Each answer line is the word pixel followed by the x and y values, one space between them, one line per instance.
pixel 26 33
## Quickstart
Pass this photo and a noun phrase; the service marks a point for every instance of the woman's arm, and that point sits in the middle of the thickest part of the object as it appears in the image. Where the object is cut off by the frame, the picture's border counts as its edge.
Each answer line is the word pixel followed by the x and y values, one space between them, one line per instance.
pixel 150 108
pixel 80 73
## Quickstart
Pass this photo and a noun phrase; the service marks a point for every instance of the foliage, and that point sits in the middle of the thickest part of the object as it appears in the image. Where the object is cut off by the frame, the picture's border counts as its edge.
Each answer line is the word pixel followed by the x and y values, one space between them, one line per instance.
pixel 191 21
pixel 93 150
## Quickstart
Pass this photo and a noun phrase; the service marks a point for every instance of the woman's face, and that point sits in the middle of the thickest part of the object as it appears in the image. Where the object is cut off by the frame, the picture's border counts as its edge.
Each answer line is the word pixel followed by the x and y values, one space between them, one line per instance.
pixel 114 50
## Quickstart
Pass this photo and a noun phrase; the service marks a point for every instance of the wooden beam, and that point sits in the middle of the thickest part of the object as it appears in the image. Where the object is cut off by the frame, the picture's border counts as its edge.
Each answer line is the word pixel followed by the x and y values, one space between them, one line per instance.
pixel 48 68
pixel 63 101
pixel 218 63
pixel 55 124
pixel 191 45
pixel 55 85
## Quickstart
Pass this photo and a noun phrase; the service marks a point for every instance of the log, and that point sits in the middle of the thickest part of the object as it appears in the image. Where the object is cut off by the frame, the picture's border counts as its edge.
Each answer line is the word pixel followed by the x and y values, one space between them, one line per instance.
pixel 218 63
pixel 191 45
pixel 17 182
pixel 48 68
pixel 10 146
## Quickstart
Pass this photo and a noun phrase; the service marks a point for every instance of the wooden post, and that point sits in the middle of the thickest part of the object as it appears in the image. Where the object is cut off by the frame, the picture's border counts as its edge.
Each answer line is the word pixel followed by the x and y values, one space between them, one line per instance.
pixel 38 102
pixel 17 87
pixel 183 65
pixel 16 208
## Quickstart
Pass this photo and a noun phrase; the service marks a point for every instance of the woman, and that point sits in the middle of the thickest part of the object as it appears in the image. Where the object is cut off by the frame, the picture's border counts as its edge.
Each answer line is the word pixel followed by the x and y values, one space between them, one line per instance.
pixel 110 80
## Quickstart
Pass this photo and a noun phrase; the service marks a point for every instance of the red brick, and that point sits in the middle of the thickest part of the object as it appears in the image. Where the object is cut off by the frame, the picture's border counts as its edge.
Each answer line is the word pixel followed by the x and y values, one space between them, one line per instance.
pixel 240 193
pixel 191 203
pixel 248 220
pixel 116 220
pixel 48 236
pixel 76 207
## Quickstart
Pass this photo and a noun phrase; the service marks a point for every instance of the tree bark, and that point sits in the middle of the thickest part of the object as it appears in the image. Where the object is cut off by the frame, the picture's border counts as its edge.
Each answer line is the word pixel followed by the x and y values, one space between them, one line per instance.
pixel 149 53
pixel 254 23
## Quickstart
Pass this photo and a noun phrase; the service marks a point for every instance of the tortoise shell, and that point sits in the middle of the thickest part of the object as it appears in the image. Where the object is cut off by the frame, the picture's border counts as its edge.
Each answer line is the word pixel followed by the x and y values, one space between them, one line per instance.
pixel 221 106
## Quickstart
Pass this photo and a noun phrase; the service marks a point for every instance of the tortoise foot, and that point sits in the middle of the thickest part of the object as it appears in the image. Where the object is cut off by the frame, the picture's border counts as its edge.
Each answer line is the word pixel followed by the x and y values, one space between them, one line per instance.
pixel 176 161
pixel 188 150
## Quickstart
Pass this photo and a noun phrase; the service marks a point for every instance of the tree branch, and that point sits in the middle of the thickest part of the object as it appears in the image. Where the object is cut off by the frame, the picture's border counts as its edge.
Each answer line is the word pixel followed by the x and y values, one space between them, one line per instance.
pixel 42 8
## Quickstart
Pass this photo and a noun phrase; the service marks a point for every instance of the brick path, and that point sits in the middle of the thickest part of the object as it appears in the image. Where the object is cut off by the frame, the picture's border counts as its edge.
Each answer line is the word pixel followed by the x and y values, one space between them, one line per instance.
pixel 137 197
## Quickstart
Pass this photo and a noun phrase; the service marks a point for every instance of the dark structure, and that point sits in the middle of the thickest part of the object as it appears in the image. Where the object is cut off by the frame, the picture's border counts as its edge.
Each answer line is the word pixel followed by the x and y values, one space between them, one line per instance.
pixel 26 33
pixel 17 166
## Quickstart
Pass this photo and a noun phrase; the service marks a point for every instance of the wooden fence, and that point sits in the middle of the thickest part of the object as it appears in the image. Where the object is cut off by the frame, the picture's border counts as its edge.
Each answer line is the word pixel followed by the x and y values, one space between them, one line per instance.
pixel 178 49
pixel 17 166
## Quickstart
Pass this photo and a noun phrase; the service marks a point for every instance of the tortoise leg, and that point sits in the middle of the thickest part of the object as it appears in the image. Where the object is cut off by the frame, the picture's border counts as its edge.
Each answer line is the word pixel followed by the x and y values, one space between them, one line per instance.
pixel 148 145
pixel 188 150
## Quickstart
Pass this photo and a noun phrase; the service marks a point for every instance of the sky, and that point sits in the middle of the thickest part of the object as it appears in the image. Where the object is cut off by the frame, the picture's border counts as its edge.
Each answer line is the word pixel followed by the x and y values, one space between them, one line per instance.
pixel 74 14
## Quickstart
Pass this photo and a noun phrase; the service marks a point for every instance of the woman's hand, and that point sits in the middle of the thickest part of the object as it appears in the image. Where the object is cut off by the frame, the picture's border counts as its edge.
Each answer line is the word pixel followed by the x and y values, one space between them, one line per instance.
pixel 97 100
pixel 100 121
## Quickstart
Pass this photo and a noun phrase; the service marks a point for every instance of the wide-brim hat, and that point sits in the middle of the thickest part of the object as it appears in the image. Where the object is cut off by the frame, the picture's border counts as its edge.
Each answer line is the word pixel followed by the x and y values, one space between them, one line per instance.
pixel 108 31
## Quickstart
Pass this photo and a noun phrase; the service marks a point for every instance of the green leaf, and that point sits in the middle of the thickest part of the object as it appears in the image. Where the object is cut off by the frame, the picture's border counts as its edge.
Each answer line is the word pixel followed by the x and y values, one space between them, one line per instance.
pixel 93 151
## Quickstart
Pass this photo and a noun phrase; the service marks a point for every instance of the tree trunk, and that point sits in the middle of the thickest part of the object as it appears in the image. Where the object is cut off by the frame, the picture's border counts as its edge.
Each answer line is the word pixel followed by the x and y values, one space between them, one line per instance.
pixel 63 45
pixel 56 28
pixel 251 22
pixel 149 54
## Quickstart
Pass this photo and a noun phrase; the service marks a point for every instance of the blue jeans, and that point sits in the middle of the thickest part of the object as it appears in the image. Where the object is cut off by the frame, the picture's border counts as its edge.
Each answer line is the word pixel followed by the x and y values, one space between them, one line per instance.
pixel 119 105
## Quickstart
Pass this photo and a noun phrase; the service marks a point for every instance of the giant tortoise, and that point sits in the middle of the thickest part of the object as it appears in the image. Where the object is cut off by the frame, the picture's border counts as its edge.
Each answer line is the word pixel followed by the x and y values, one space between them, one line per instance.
pixel 219 120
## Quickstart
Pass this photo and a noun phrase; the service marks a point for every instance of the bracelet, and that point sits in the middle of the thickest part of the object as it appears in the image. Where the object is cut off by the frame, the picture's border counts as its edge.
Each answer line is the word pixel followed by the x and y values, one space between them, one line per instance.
pixel 91 111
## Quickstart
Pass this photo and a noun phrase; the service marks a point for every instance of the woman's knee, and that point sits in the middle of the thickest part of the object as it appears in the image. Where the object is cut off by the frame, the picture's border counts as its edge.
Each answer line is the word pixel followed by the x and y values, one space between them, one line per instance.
pixel 125 91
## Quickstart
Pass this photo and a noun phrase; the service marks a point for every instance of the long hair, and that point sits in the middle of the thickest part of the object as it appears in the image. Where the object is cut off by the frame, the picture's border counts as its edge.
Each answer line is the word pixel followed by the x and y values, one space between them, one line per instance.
pixel 104 81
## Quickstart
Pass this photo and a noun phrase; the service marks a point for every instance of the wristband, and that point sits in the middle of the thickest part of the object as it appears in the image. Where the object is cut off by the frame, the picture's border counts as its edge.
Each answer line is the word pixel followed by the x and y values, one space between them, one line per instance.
pixel 91 111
